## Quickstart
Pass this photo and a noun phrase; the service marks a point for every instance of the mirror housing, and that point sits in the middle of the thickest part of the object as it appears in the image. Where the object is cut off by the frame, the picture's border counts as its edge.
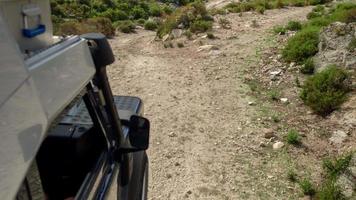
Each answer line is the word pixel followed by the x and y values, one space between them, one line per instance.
pixel 138 135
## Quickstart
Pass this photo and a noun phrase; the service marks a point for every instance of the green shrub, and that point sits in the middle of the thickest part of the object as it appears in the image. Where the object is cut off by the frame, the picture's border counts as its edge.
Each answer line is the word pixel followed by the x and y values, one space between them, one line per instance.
pixel 115 15
pixel 307 187
pixel 330 191
pixel 319 8
pixel 138 12
pixel 293 137
pixel 260 9
pixel 274 94
pixel 293 26
pixel 141 21
pixel 312 15
pixel 292 176
pixel 188 34
pixel 279 30
pixel 200 26
pixel 150 25
pixel 126 26
pixel 326 91
pixel 278 4
pixel 303 45
pixel 308 67
pixel 168 10
pixel 155 10
pixel 337 166
pixel 101 25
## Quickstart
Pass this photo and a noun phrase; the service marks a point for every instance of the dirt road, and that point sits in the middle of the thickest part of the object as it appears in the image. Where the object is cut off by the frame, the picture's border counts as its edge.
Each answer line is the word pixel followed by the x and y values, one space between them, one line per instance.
pixel 205 141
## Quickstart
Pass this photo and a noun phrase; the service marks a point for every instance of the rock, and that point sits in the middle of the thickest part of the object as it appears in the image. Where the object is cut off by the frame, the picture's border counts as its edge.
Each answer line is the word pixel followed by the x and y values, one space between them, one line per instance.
pixel 208 47
pixel 180 26
pixel 172 134
pixel 189 192
pixel 338 137
pixel 346 186
pixel 269 133
pixel 275 73
pixel 284 100
pixel 278 145
pixel 165 37
pixel 251 103
pixel 177 33
pixel 333 46
pixel 292 64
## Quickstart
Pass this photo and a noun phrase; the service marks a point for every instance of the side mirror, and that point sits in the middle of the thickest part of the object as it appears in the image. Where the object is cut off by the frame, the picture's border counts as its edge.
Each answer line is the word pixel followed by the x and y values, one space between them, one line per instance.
pixel 139 133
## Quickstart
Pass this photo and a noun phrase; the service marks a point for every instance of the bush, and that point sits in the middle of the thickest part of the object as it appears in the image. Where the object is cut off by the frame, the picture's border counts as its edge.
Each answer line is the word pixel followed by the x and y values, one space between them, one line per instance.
pixel 126 26
pixel 302 46
pixel 188 34
pixel 274 94
pixel 330 191
pixel 293 137
pixel 155 10
pixel 114 15
pixel 308 67
pixel 326 91
pixel 293 26
pixel 292 176
pixel 307 187
pixel 200 26
pixel 312 15
pixel 279 30
pixel 102 25
pixel 98 24
pixel 319 8
pixel 260 9
pixel 168 10
pixel 138 12
pixel 337 166
pixel 150 25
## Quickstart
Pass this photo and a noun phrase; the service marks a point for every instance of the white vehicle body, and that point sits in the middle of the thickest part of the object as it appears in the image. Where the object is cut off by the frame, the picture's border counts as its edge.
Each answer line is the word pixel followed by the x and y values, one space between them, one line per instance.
pixel 34 87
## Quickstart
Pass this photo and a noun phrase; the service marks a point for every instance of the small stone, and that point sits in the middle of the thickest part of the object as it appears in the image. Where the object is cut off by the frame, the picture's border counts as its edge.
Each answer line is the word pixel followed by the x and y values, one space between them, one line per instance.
pixel 251 103
pixel 338 137
pixel 165 37
pixel 176 164
pixel 172 134
pixel 277 72
pixel 269 133
pixel 177 33
pixel 292 64
pixel 284 100
pixel 169 176
pixel 278 145
pixel 189 192
pixel 262 144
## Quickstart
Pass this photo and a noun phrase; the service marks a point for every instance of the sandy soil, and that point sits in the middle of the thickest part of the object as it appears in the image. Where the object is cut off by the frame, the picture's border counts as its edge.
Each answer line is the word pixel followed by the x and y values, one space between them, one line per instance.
pixel 205 137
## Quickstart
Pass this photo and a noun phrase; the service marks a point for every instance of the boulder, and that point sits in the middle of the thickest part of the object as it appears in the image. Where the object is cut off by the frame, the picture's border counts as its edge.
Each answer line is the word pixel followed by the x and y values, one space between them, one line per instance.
pixel 334 46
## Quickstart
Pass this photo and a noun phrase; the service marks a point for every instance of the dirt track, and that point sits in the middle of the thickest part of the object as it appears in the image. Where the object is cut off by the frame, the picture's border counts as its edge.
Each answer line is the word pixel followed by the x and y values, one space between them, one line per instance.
pixel 205 136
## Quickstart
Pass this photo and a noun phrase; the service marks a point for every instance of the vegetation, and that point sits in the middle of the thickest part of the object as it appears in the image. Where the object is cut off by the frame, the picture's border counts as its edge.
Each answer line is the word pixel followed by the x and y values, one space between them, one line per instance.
pixel 226 24
pixel 335 167
pixel 261 5
pixel 294 26
pixel 279 30
pixel 307 187
pixel 193 16
pixel 274 94
pixel 326 91
pixel 305 43
pixel 126 26
pixel 308 67
pixel 302 46
pixel 293 137
pixel 292 176
pixel 150 25
pixel 73 15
